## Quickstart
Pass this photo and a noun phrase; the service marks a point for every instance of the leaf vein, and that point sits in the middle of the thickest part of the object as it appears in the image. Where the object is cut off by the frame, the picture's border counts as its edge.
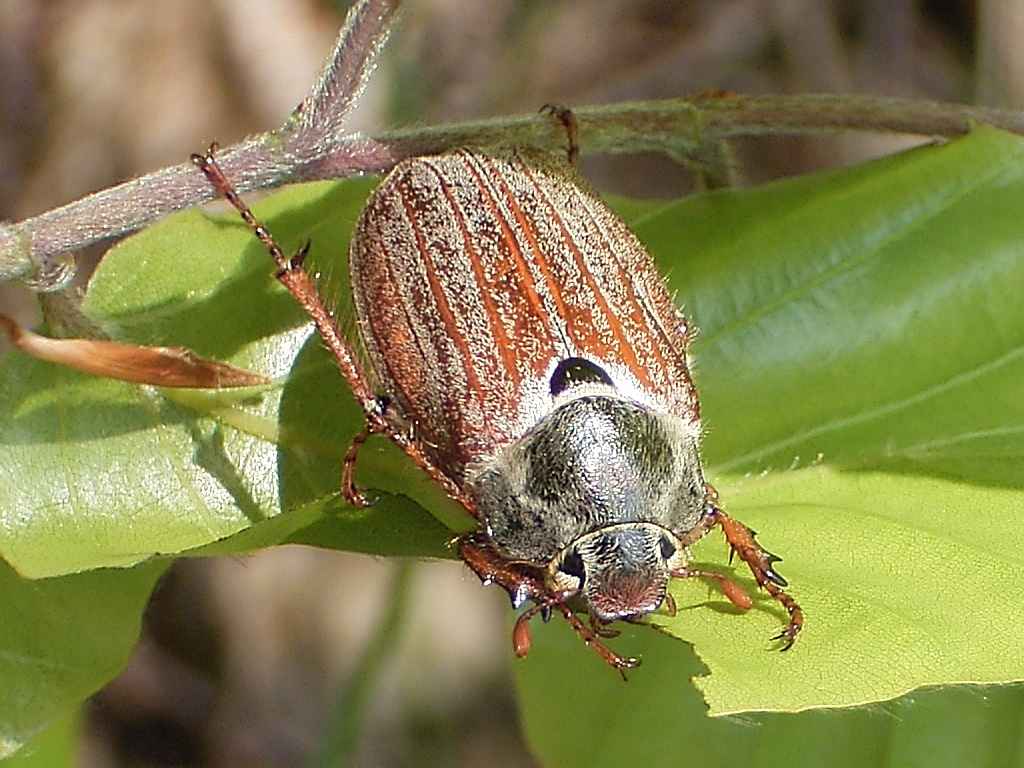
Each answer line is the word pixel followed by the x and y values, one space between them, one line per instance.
pixel 879 411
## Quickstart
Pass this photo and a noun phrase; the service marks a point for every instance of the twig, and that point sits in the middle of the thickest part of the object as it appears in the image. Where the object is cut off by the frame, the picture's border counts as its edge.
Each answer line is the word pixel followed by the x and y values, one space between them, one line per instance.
pixel 31 249
pixel 684 125
pixel 311 146
pixel 345 723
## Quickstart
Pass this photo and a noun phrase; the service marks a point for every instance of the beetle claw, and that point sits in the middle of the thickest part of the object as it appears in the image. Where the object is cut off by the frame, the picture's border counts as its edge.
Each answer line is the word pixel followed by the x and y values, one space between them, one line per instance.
pixel 788 636
pixel 297 260
pixel 518 594
pixel 775 577
pixel 358 498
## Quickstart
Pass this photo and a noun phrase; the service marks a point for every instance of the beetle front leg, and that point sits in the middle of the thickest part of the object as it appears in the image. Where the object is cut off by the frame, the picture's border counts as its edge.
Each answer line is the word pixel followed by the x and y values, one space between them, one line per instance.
pixel 760 561
pixel 523 582
pixel 733 591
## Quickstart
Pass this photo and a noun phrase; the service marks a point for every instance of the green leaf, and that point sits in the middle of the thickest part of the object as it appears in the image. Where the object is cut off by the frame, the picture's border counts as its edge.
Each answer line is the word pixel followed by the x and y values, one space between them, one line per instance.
pixel 578 714
pixel 97 473
pixel 61 639
pixel 55 747
pixel 862 348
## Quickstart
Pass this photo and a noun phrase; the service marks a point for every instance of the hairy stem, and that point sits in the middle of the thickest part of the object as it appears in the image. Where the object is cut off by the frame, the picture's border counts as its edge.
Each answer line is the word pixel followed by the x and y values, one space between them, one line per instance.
pixel 311 144
pixel 32 249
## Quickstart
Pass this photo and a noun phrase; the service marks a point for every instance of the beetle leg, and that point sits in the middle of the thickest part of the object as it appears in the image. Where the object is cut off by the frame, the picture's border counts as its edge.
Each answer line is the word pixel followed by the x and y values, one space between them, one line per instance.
pixel 565 116
pixel 591 635
pixel 590 638
pixel 670 605
pixel 291 275
pixel 729 588
pixel 521 638
pixel 352 494
pixel 602 630
pixel 760 561
pixel 349 490
pixel 523 582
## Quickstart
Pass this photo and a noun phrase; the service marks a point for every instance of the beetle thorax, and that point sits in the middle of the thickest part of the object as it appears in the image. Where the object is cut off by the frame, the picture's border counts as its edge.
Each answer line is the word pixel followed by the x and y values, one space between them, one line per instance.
pixel 600 478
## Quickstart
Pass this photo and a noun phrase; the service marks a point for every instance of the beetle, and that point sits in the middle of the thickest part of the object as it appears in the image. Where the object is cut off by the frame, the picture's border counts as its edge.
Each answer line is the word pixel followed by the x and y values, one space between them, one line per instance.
pixel 524 351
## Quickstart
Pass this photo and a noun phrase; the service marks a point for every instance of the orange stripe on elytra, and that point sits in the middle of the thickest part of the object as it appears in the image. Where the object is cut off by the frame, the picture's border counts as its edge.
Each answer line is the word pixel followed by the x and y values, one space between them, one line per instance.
pixel 562 310
pixel 522 268
pixel 626 352
pixel 643 309
pixel 443 309
pixel 484 290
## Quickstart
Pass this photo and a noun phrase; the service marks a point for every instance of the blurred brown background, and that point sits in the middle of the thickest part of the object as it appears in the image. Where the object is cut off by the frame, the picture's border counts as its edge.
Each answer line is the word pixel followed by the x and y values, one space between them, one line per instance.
pixel 245 661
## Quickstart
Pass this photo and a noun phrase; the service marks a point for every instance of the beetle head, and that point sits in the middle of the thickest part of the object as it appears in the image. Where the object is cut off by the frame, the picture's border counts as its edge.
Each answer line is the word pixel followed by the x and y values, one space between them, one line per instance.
pixel 621 571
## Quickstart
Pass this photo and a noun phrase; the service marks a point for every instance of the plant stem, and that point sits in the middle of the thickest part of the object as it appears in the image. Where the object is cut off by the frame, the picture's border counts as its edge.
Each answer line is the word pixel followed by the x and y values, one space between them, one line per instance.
pixel 31 250
pixel 345 723
pixel 311 145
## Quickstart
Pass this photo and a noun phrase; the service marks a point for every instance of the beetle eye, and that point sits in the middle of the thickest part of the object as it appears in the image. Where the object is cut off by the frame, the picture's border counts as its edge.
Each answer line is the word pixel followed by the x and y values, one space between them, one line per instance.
pixel 667 548
pixel 572 564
